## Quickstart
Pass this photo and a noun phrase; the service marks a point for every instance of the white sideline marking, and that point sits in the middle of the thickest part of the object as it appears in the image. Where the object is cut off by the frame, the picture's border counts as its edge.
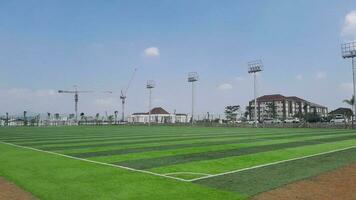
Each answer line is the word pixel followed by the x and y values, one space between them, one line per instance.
pixel 96 162
pixel 273 163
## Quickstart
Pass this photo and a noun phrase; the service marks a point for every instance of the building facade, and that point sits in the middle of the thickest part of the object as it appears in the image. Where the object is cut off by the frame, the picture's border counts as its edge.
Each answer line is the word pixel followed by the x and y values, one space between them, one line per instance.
pixel 282 107
pixel 159 116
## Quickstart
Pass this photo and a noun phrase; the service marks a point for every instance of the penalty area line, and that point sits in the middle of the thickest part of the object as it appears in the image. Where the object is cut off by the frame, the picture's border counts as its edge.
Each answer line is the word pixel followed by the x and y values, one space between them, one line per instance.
pixel 269 164
pixel 194 173
pixel 95 162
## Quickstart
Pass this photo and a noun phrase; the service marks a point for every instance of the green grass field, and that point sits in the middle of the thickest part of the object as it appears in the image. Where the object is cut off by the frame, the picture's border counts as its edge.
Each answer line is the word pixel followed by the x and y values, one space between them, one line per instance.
pixel 162 162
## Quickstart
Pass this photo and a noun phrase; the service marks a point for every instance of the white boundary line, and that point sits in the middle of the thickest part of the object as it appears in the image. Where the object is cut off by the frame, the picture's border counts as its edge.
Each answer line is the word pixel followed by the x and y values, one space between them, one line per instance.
pixel 96 162
pixel 273 163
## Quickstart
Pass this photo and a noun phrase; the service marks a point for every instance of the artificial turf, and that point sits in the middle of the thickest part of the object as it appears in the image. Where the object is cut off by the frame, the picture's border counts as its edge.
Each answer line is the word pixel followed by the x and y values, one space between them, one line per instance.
pixel 252 182
pixel 50 177
pixel 183 152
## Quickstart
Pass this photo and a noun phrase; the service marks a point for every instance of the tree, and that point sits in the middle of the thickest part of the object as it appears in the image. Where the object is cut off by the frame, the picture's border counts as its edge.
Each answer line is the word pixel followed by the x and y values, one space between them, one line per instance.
pixel 71 116
pixel 305 108
pixel 97 118
pixel 38 117
pixel 350 102
pixel 247 111
pixel 115 113
pixel 110 119
pixel 7 119
pixel 82 117
pixel 312 117
pixel 231 112
pixel 33 121
pixel 25 118
pixel 271 110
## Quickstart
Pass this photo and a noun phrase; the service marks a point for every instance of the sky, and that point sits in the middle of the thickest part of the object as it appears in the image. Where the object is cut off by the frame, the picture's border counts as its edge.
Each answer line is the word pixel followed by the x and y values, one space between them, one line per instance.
pixel 47 45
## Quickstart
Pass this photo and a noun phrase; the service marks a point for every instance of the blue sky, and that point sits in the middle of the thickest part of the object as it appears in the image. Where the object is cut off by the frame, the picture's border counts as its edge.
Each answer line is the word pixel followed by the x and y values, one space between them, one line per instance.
pixel 51 45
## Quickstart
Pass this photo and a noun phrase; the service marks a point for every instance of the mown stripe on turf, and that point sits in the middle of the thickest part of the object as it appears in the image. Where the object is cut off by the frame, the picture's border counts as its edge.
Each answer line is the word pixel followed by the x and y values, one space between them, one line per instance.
pixel 122 138
pixel 67 136
pixel 223 165
pixel 199 144
pixel 192 150
pixel 185 158
pixel 97 149
pixel 116 143
pixel 129 138
pixel 254 181
pixel 61 140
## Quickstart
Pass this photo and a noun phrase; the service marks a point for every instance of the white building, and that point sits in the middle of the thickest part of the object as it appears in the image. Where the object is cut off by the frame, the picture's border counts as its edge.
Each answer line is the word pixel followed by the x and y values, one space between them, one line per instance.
pixel 284 107
pixel 159 116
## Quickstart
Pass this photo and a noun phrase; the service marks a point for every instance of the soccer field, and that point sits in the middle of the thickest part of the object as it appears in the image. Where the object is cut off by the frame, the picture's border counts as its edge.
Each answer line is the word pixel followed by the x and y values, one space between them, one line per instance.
pixel 163 162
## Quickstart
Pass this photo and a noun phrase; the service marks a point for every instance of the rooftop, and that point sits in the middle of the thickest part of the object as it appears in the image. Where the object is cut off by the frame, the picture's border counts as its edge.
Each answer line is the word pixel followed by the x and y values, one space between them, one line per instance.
pixel 279 97
pixel 154 111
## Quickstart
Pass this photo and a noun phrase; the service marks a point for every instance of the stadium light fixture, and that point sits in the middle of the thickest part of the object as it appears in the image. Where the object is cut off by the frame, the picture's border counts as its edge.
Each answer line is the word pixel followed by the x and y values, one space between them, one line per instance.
pixel 253 68
pixel 348 50
pixel 150 85
pixel 192 78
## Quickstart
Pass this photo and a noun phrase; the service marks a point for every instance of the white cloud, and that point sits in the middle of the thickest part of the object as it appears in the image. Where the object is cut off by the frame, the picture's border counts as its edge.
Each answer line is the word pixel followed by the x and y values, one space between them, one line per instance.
pixel 320 75
pixel 239 78
pixel 225 87
pixel 299 77
pixel 152 52
pixel 349 28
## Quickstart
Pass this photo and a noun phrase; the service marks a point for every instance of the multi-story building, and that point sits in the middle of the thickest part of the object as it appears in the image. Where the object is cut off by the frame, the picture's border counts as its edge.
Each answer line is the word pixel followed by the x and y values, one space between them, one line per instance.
pixel 282 107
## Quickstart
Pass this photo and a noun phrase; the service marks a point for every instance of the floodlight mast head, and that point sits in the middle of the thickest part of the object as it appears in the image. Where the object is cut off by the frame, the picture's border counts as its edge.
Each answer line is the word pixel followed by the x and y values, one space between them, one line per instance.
pixel 150 84
pixel 193 76
pixel 255 66
pixel 348 50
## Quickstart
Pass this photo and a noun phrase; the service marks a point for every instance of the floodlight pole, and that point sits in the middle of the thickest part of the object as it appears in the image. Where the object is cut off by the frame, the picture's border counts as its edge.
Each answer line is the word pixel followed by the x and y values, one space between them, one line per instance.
pixel 354 87
pixel 149 86
pixel 76 106
pixel 193 85
pixel 254 67
pixel 348 50
pixel 255 96
pixel 149 106
pixel 192 78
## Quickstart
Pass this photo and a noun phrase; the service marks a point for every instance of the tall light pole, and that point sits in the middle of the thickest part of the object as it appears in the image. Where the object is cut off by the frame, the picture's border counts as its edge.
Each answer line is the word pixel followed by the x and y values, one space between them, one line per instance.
pixel 150 85
pixel 348 50
pixel 253 68
pixel 192 78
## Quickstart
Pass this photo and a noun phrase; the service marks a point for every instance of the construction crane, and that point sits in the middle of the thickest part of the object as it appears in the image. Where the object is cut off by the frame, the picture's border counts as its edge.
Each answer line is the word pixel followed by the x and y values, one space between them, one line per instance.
pixel 76 98
pixel 123 95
